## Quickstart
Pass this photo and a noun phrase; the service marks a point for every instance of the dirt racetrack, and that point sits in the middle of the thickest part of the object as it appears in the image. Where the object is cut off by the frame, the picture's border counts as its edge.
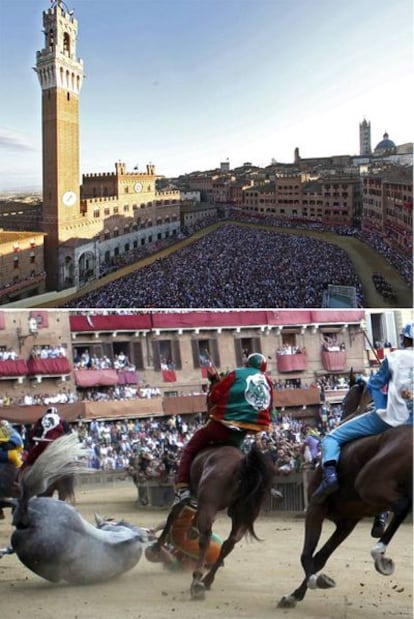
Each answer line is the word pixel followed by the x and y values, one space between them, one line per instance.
pixel 255 576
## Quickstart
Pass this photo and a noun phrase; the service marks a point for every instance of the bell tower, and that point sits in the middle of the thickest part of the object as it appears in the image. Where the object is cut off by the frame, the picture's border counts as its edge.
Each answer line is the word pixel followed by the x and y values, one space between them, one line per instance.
pixel 60 74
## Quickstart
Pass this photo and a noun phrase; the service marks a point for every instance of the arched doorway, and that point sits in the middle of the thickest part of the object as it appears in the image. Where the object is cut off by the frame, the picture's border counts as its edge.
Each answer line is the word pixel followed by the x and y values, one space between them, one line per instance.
pixel 87 265
pixel 68 272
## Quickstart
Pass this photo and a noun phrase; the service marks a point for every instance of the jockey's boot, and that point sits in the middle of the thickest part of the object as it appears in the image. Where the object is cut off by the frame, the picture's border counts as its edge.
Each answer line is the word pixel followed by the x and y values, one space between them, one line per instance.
pixel 328 485
pixel 182 495
pixel 379 524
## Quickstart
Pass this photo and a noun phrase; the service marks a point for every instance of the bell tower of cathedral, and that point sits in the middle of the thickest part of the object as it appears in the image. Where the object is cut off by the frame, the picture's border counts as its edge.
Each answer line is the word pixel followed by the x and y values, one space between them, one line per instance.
pixel 60 75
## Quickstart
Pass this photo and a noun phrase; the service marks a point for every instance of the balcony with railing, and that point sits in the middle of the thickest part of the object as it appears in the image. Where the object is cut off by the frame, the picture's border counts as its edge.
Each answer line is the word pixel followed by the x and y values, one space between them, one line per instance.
pixel 294 361
pixel 49 367
pixel 334 360
pixel 12 368
pixel 104 377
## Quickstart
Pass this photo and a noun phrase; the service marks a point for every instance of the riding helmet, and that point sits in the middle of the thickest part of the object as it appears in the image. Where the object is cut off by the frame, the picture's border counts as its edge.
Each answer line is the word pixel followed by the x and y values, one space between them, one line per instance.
pixel 258 361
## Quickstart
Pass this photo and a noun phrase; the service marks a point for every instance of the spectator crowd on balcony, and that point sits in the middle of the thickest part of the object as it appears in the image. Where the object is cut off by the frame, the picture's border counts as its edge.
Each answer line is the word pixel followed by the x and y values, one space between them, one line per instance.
pixel 330 344
pixel 85 361
pixel 8 354
pixel 287 349
pixel 48 352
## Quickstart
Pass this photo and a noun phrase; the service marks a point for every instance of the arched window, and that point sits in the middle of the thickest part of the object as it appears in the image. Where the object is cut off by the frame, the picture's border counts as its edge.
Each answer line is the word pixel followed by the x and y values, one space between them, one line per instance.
pixel 51 38
pixel 66 43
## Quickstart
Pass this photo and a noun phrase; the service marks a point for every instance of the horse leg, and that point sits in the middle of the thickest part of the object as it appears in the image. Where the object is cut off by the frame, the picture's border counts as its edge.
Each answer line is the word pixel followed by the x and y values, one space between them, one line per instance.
pixel 172 516
pixel 235 536
pixel 313 563
pixel 383 564
pixel 205 518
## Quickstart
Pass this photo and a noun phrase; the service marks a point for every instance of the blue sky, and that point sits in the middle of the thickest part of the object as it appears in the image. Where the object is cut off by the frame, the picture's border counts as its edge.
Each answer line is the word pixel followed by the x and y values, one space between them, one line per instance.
pixel 186 84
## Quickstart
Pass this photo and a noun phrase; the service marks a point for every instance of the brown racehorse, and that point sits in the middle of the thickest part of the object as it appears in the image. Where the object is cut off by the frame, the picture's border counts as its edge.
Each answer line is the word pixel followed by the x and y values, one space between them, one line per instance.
pixel 222 477
pixel 375 475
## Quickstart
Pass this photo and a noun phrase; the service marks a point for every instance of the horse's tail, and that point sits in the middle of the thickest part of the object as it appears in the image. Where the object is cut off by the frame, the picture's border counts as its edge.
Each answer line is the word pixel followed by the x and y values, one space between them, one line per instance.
pixel 255 476
pixel 62 458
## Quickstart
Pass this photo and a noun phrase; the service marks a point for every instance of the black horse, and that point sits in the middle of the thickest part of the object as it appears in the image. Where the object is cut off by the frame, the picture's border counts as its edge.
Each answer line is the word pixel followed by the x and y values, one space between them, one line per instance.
pixel 376 475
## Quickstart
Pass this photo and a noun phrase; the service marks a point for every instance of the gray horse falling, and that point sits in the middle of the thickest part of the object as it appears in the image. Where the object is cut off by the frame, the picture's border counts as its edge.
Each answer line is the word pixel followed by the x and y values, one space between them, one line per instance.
pixel 54 541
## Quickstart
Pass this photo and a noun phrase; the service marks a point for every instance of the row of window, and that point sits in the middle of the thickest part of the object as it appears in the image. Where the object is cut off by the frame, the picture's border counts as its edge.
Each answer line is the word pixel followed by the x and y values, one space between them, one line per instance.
pixel 166 353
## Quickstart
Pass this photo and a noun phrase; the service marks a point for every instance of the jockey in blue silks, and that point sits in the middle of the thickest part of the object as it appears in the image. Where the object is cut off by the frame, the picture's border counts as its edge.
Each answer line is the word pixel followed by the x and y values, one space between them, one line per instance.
pixel 392 408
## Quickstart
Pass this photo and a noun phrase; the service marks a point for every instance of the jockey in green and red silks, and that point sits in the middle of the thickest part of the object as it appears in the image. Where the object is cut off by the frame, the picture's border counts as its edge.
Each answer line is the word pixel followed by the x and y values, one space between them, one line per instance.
pixel 244 398
pixel 239 403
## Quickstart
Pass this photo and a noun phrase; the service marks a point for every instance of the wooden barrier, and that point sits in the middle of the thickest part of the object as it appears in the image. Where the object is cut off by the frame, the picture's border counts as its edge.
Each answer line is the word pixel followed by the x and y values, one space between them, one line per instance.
pixel 160 495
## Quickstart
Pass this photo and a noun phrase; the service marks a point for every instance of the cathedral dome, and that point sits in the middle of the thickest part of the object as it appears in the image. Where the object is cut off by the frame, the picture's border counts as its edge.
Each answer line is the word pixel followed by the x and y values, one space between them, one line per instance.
pixel 386 145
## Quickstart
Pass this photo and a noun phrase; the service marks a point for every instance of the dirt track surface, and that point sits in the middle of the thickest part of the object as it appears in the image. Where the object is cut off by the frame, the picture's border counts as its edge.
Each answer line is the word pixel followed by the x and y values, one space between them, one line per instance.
pixel 255 577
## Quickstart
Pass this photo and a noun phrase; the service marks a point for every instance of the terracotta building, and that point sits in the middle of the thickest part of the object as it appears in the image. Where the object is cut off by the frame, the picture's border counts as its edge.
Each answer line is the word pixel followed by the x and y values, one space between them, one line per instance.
pixel 170 352
pixel 333 200
pixel 22 267
pixel 387 205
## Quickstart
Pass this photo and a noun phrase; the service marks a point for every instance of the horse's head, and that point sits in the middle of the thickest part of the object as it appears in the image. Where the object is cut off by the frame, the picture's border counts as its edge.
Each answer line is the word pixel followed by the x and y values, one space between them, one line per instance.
pixel 357 399
pixel 110 524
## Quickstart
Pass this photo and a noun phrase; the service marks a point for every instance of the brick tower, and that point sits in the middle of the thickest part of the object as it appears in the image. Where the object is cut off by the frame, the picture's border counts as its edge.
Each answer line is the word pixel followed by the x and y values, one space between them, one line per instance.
pixel 365 138
pixel 60 75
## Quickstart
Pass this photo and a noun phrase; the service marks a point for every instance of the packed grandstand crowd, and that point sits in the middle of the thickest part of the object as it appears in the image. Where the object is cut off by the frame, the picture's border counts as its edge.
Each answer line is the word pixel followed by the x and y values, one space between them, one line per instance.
pixel 149 449
pixel 178 281
pixel 234 267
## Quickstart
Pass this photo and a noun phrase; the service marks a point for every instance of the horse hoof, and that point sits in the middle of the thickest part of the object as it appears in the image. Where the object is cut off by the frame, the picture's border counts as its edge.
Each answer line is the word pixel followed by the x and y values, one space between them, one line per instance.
pixel 207 582
pixel 198 591
pixel 384 566
pixel 325 582
pixel 153 554
pixel 287 601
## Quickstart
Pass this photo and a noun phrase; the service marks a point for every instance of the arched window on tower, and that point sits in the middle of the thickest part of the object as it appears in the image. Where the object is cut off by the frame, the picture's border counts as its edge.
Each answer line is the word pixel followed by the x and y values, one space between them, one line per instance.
pixel 51 38
pixel 66 44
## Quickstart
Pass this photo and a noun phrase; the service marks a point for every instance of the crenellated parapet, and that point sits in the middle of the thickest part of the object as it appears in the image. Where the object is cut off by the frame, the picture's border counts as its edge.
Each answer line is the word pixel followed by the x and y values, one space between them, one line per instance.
pixel 111 200
pixel 56 64
pixel 167 194
pixel 98 175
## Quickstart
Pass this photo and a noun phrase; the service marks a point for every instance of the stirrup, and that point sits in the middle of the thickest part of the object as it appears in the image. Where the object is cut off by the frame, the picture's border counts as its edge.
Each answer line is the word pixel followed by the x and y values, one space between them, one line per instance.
pixel 323 491
pixel 182 496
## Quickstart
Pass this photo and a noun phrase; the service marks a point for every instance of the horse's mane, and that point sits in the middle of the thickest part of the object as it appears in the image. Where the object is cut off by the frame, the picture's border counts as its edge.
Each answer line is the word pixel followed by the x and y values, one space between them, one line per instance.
pixel 255 468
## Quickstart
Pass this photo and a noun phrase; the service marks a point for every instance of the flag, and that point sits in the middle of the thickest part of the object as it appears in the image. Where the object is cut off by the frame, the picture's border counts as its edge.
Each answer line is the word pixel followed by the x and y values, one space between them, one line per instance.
pixel 169 376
